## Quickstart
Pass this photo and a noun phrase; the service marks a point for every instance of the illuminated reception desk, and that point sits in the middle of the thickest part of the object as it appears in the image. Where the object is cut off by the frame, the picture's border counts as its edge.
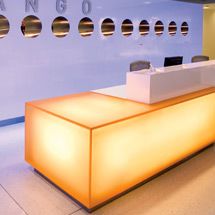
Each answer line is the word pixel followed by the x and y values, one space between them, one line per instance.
pixel 169 82
pixel 95 147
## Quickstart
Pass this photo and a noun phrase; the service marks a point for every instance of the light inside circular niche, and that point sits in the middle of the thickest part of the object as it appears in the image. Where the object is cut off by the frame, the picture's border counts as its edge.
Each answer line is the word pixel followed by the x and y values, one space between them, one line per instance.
pixel 60 27
pixel 159 28
pixel 172 28
pixel 86 27
pixel 184 28
pixel 31 26
pixel 108 27
pixel 4 26
pixel 127 27
pixel 144 28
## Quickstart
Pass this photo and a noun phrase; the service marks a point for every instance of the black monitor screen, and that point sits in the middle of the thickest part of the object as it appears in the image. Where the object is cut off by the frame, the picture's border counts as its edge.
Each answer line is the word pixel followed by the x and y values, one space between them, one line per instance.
pixel 173 61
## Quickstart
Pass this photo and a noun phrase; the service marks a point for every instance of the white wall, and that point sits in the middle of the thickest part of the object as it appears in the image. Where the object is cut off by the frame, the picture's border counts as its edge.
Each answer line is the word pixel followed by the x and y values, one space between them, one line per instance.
pixel 48 66
pixel 209 33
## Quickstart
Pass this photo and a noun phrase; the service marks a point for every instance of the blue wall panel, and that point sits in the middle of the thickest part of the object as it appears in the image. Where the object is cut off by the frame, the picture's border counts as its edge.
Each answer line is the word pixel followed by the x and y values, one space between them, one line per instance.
pixel 47 66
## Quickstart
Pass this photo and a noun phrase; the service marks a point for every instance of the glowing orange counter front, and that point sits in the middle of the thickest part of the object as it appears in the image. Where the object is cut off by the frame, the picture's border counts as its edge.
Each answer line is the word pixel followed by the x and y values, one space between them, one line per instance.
pixel 95 147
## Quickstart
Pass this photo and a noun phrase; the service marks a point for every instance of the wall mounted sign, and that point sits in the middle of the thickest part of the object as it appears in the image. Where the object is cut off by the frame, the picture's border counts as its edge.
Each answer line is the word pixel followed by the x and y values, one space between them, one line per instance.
pixel 61 6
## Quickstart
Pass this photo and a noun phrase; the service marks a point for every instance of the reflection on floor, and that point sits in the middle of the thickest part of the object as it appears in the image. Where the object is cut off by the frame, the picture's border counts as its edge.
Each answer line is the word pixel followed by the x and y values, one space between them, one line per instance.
pixel 187 189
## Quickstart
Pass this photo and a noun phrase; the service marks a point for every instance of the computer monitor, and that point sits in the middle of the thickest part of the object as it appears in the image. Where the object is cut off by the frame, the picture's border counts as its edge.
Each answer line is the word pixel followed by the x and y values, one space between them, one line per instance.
pixel 173 61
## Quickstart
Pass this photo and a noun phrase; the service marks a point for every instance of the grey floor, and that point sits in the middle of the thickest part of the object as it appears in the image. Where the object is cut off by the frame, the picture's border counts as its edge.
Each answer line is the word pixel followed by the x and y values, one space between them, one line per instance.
pixel 185 190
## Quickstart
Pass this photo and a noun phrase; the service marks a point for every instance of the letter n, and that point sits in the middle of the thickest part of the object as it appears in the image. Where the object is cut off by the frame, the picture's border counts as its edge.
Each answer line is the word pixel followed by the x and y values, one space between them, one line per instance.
pixel 34 4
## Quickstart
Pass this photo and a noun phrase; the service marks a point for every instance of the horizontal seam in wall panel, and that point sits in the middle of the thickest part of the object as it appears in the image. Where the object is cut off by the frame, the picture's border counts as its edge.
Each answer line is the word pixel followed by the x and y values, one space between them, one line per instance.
pixel 12 121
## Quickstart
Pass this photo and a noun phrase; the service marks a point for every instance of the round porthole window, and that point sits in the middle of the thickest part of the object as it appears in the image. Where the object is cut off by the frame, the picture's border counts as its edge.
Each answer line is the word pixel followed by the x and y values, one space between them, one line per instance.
pixel 108 27
pixel 144 28
pixel 86 27
pixel 159 28
pixel 127 27
pixel 31 27
pixel 184 28
pixel 4 26
pixel 60 27
pixel 172 28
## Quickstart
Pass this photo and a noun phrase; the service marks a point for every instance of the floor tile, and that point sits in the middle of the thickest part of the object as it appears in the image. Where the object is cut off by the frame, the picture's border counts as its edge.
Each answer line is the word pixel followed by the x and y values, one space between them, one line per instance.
pixel 7 205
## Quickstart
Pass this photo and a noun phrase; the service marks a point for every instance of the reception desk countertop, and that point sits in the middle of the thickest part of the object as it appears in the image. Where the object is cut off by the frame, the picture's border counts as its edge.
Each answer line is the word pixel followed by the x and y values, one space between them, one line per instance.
pixel 169 82
pixel 93 109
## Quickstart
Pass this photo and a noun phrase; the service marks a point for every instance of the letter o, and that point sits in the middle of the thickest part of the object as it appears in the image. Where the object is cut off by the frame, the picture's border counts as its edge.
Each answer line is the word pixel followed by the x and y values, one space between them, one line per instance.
pixel 86 7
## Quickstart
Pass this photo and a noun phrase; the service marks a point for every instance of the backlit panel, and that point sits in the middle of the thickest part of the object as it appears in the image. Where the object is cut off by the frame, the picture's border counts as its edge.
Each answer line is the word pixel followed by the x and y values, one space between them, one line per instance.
pixel 129 152
pixel 60 151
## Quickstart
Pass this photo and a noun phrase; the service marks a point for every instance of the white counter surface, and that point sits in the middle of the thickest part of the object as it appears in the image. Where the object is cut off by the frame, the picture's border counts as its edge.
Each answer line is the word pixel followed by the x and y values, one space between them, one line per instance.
pixel 169 82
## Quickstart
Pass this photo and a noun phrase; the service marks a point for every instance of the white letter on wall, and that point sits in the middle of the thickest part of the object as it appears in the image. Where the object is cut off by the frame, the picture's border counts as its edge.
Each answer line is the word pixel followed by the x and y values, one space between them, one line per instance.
pixel 61 6
pixel 86 7
pixel 2 5
pixel 34 4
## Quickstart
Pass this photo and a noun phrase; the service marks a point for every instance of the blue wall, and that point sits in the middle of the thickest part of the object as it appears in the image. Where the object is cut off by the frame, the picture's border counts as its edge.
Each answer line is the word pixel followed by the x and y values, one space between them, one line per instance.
pixel 47 66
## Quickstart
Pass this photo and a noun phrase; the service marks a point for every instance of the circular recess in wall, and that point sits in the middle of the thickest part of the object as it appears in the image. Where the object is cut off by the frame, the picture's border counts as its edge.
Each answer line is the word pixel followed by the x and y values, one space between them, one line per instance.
pixel 4 26
pixel 172 28
pixel 184 29
pixel 144 28
pixel 60 27
pixel 86 27
pixel 108 27
pixel 159 28
pixel 31 26
pixel 127 27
